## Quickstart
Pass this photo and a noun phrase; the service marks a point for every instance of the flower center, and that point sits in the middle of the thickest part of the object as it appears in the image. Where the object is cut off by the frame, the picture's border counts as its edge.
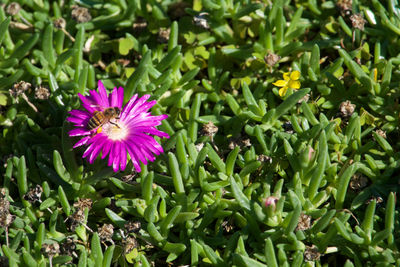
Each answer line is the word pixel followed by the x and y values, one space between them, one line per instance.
pixel 115 130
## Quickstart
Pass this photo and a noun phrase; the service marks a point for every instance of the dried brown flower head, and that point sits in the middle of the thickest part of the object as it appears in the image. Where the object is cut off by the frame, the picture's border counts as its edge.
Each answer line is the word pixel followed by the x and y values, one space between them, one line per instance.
pixel 227 225
pixel 358 21
pixel 76 219
pixel 106 232
pixel 34 194
pixel 78 216
pixel 271 59
pixel 68 247
pixel 19 88
pixel 51 249
pixel 129 178
pixel 358 182
pixel 139 25
pixel 4 205
pixel 232 144
pixel 304 222
pixel 311 253
pixel 346 109
pixel 13 8
pixel 129 244
pixel 80 14
pixel 209 129
pixel 245 142
pixel 239 141
pixel 264 158
pixel 60 23
pixel 381 133
pixel 42 93
pixel 163 35
pixel 344 7
pixel 83 203
pixel 133 227
pixel 6 219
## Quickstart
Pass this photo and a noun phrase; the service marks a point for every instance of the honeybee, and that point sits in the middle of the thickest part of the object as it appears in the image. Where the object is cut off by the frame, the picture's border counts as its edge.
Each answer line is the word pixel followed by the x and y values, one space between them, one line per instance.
pixel 101 117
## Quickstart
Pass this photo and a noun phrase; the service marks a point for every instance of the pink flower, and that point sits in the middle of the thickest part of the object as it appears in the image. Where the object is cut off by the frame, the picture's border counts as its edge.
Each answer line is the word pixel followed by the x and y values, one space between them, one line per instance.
pixel 271 202
pixel 129 132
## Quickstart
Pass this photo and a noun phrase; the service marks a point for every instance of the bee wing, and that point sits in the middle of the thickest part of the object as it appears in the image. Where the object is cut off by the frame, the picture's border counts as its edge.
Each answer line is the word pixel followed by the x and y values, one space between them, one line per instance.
pixel 98 107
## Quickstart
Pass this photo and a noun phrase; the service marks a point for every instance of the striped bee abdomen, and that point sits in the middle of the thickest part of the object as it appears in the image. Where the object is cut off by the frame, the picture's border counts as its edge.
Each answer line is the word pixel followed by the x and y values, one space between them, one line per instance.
pixel 96 121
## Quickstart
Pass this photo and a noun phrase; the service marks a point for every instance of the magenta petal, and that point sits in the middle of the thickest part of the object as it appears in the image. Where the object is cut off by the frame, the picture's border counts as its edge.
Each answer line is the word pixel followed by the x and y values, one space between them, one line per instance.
pixel 162 117
pixel 111 155
pixel 141 140
pixel 115 166
pixel 135 105
pixel 149 130
pixel 88 151
pixel 157 133
pixel 87 104
pixel 79 132
pixel 113 98
pixel 79 113
pixel 120 96
pixel 141 123
pixel 139 155
pixel 157 119
pixel 123 157
pixel 103 94
pixel 146 106
pixel 151 143
pixel 80 121
pixel 147 153
pixel 106 149
pixel 155 147
pixel 140 112
pixel 97 150
pixel 138 104
pixel 134 158
pixel 93 143
pixel 136 149
pixel 77 121
pixel 128 106
pixel 82 141
pixel 97 100
pixel 117 157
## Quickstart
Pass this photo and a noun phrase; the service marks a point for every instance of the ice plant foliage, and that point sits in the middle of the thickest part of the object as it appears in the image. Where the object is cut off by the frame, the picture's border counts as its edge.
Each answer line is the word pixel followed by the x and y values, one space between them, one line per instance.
pixel 130 133
pixel 290 80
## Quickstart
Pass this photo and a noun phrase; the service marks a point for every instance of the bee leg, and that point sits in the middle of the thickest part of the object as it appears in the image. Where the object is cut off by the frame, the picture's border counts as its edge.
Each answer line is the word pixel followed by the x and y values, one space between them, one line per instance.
pixel 114 124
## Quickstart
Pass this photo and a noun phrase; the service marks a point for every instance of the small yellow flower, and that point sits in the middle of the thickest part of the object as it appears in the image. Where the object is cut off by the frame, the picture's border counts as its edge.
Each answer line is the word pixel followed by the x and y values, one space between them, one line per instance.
pixel 290 80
